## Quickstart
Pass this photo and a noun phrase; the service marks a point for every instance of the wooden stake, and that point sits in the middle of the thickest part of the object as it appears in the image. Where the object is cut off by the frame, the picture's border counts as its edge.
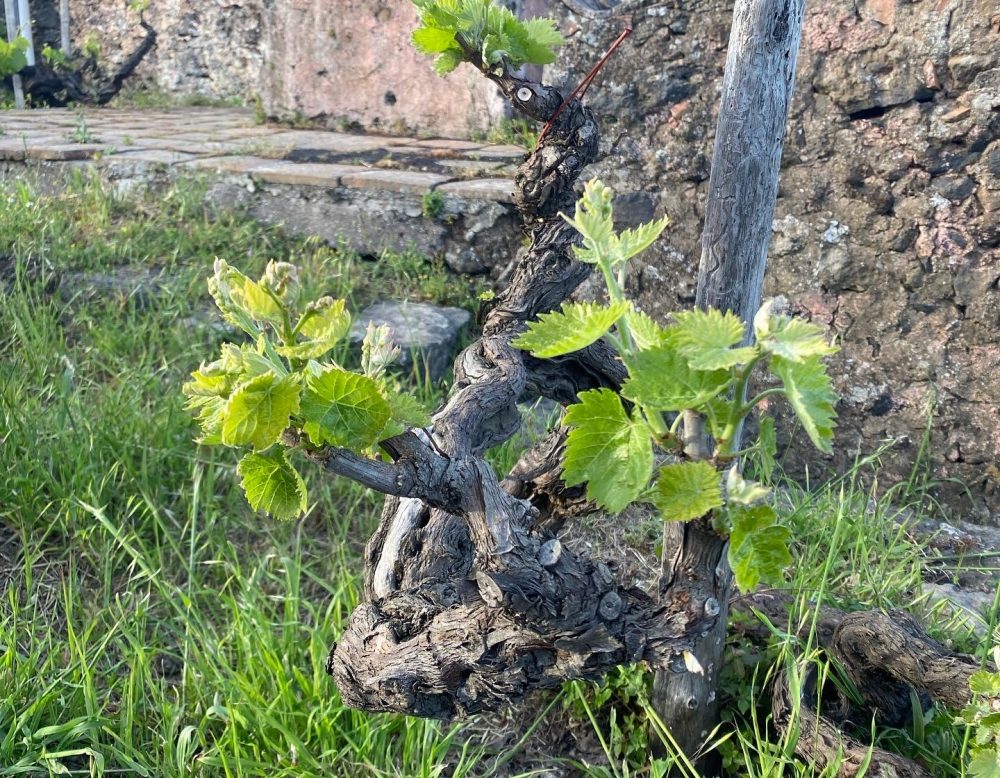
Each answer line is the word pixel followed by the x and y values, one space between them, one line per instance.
pixel 756 93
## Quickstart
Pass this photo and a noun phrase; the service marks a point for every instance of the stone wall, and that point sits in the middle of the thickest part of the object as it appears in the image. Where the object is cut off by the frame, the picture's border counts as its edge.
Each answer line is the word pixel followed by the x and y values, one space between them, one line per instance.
pixel 888 218
pixel 346 63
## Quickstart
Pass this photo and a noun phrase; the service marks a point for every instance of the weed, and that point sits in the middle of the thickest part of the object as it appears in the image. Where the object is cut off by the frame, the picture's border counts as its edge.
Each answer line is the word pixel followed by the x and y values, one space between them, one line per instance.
pixel 432 204
pixel 515 131
pixel 82 133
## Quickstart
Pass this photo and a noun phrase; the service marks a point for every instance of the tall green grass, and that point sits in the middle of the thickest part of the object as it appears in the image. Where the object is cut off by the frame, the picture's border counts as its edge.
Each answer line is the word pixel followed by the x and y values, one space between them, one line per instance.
pixel 149 623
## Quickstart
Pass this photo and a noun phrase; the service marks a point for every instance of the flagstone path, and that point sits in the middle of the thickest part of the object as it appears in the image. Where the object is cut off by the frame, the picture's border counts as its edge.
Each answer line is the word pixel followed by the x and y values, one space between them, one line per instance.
pixel 228 140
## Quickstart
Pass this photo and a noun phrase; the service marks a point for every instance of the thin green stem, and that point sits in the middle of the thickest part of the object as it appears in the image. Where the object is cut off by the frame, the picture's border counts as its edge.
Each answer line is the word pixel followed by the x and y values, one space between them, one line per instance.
pixel 751 404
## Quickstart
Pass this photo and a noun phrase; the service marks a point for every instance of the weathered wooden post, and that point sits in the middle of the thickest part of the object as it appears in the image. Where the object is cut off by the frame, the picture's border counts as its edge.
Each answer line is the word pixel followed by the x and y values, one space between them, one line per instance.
pixel 756 93
pixel 64 41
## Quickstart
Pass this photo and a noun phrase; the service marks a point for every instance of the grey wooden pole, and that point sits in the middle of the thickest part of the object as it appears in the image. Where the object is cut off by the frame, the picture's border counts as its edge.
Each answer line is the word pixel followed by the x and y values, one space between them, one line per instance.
pixel 10 17
pixel 64 41
pixel 756 93
pixel 24 28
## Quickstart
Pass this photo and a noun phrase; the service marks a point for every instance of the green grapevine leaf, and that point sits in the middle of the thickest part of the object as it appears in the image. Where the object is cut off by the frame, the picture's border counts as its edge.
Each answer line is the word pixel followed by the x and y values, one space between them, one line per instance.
pixel 209 413
pixel 743 492
pixel 767 447
pixel 593 221
pixel 324 324
pixel 706 338
pixel 758 548
pixel 541 39
pixel 407 411
pixel 258 411
pixel 687 490
pixel 433 40
pixel 343 409
pixel 486 27
pixel 808 389
pixel 575 327
pixel 447 61
pixel 632 242
pixel 271 484
pixel 795 339
pixel 377 350
pixel 984 762
pixel 610 451
pixel 645 332
pixel 242 301
pixel 662 380
pixel 985 682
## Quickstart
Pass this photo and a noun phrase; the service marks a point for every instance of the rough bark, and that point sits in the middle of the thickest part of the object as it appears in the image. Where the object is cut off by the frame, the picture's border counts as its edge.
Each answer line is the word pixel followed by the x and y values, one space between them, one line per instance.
pixel 470 600
pixel 756 93
pixel 886 656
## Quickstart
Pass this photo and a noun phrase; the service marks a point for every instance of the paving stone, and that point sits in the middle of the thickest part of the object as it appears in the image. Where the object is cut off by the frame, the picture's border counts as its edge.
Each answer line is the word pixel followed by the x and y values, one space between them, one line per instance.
pixel 59 152
pixel 154 156
pixel 238 165
pixel 394 180
pixel 332 141
pixel 497 189
pixel 475 166
pixel 12 148
pixel 446 143
pixel 500 152
pixel 305 173
pixel 427 335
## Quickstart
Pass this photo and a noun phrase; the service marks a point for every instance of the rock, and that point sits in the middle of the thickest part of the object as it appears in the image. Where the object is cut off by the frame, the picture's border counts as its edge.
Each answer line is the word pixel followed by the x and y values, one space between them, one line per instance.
pixel 140 285
pixel 953 606
pixel 427 335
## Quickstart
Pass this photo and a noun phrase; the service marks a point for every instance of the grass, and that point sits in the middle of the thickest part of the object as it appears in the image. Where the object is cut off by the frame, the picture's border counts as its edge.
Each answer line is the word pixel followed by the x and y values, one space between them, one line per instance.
pixel 151 625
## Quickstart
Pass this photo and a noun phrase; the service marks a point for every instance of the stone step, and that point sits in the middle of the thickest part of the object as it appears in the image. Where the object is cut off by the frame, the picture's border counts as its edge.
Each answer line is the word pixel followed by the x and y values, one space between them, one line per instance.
pixel 368 192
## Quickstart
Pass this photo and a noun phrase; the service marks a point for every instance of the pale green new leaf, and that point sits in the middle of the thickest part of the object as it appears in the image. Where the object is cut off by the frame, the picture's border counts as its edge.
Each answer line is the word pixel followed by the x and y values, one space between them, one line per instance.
pixel 605 448
pixel 706 339
pixel 758 548
pixel 742 492
pixel 632 242
pixel 271 484
pixel 209 413
pixel 258 411
pixel 645 332
pixel 377 350
pixel 323 326
pixel 809 392
pixel 447 61
pixel 542 38
pixel 661 380
pixel 220 286
pixel 593 220
pixel 985 762
pixel 795 339
pixel 687 490
pixel 343 409
pixel 985 682
pixel 433 40
pixel 575 327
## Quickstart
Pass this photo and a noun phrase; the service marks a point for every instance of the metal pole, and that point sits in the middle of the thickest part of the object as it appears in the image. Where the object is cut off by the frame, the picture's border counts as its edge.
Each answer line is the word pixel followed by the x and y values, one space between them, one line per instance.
pixel 10 15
